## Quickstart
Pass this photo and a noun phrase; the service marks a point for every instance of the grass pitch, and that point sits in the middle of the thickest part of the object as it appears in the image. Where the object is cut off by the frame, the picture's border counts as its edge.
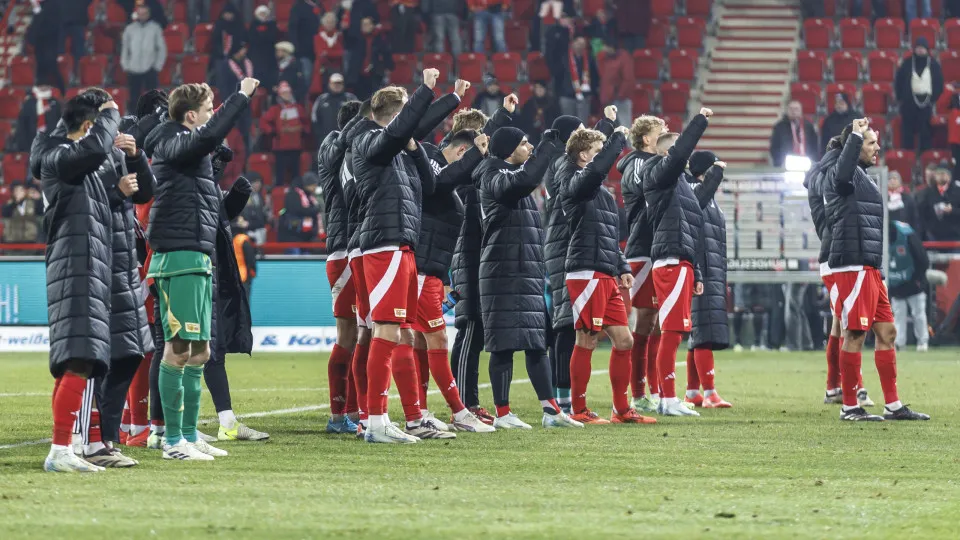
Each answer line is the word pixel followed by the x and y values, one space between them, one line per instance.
pixel 778 465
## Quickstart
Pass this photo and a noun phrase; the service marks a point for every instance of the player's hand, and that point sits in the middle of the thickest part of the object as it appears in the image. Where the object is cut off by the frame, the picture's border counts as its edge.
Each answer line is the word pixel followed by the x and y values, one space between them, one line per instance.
pixel 860 125
pixel 412 145
pixel 126 143
pixel 721 164
pixel 482 142
pixel 698 288
pixel 128 185
pixel 610 112
pixel 248 86
pixel 706 112
pixel 510 103
pixel 622 129
pixel 430 76
pixel 626 281
pixel 110 105
pixel 460 87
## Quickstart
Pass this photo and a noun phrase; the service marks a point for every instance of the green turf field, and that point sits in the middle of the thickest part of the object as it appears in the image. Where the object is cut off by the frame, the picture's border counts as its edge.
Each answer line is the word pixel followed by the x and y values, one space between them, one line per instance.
pixel 778 465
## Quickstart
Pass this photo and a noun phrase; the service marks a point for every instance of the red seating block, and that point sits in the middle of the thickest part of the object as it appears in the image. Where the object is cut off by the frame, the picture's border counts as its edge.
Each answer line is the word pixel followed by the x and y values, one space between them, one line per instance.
pixel 658 33
pixel 516 34
pixel 471 66
pixel 810 65
pixel 882 66
pixel 951 29
pixel 895 124
pixel 11 99
pixel 165 77
pixel 888 33
pixel 646 64
pixel 277 194
pixel 103 43
pixel 523 91
pixel 202 34
pixel 116 15
pixel 21 70
pixel 846 66
pixel 65 66
pixel 879 124
pixel 537 69
pixel 262 163
pixel 176 36
pixel 699 8
pixel 179 12
pixel 120 76
pixel 877 98
pixel 591 7
pixel 662 8
pixel 928 28
pixel 808 94
pixel 404 66
pixel 93 68
pixel 853 32
pixel 121 95
pixel 524 9
pixel 950 64
pixel 903 162
pixel 674 96
pixel 840 88
pixel 441 61
pixel 194 68
pixel 818 33
pixel 506 66
pixel 690 32
pixel 934 156
pixel 15 166
pixel 683 64
pixel 642 99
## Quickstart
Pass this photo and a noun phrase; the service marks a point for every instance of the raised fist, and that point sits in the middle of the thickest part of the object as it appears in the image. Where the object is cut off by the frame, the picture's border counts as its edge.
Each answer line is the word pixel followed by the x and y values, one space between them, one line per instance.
pixel 721 164
pixel 860 125
pixel 510 103
pixel 126 143
pixel 482 142
pixel 412 145
pixel 610 112
pixel 430 76
pixel 622 129
pixel 248 86
pixel 706 112
pixel 460 87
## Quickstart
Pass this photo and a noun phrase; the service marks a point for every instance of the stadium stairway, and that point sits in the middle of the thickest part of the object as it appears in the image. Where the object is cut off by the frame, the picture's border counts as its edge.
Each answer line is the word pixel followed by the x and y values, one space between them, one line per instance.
pixel 747 77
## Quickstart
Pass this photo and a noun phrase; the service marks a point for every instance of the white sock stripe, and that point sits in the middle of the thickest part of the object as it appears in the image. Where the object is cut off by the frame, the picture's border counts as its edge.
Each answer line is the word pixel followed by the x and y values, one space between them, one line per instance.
pixel 674 295
pixel 851 299
pixel 378 292
pixel 584 297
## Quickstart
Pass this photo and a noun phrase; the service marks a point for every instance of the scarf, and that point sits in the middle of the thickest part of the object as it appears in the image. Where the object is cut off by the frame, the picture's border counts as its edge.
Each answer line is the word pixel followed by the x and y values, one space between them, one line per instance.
pixel 551 11
pixel 580 85
pixel 331 41
pixel 306 225
pixel 247 68
pixel 283 64
pixel 799 138
pixel 43 106
pixel 895 198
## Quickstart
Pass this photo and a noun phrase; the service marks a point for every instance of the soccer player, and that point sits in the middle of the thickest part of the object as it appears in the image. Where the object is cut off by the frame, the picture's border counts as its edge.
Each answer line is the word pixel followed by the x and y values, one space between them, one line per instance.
pixel 643 296
pixel 709 310
pixel 677 221
pixel 854 206
pixel 183 235
pixel 511 270
pixel 596 269
pixel 79 262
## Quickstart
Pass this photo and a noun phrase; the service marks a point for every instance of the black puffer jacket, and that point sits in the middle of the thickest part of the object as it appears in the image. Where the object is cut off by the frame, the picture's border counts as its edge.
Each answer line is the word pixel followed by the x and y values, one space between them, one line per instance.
pixel 854 209
pixel 187 201
pixel 512 271
pixel 709 310
pixel 592 212
pixel 391 180
pixel 330 160
pixel 672 207
pixel 640 239
pixel 139 128
pixel 818 209
pixel 356 208
pixel 231 323
pixel 129 328
pixel 79 254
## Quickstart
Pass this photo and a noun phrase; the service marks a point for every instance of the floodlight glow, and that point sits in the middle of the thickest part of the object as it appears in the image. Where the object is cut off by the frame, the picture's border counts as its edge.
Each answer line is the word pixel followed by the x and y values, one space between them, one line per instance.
pixel 797 163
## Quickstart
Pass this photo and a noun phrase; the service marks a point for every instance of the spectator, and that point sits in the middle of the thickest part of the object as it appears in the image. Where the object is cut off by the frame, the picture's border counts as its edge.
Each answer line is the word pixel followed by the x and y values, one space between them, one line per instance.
pixel 929 176
pixel 34 194
pixel 226 31
pixel 143 55
pixel 617 80
pixel 157 14
pixel 910 9
pixel 907 279
pixel 919 83
pixel 953 129
pixel 44 35
pixel 331 39
pixel 488 13
pixel 841 117
pixel 551 13
pixel 40 112
pixel 233 70
pixel 816 8
pixel 263 36
pixel 900 203
pixel 256 212
pixel 601 31
pixel 633 22
pixel 245 252
pixel 793 135
pixel 290 71
pixel 367 61
pixel 574 71
pixel 489 101
pixel 286 123
pixel 300 217
pixel 445 22
pixel 405 18
pixel 75 21
pixel 539 112
pixel 352 13
pixel 323 116
pixel 198 11
pixel 878 8
pixel 21 222
pixel 304 26
pixel 936 205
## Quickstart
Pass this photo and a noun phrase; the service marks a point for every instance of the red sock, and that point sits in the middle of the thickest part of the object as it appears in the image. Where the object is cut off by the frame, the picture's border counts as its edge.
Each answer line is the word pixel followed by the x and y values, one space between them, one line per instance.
pixel 443 374
pixel 638 365
pixel 360 355
pixel 620 378
pixel 833 363
pixel 352 407
pixel 378 375
pixel 138 396
pixel 423 367
pixel 667 362
pixel 579 377
pixel 125 417
pixel 408 383
pixel 704 359
pixel 653 372
pixel 887 368
pixel 849 375
pixel 93 432
pixel 66 402
pixel 337 368
pixel 503 410
pixel 693 377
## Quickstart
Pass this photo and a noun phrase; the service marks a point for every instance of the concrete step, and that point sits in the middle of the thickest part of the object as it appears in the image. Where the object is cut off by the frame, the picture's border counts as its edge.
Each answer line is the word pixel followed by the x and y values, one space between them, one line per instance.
pixel 743 122
pixel 739 133
pixel 743 98
pixel 749 68
pixel 738 55
pixel 774 12
pixel 732 20
pixel 777 44
pixel 762 4
pixel 743 78
pixel 751 110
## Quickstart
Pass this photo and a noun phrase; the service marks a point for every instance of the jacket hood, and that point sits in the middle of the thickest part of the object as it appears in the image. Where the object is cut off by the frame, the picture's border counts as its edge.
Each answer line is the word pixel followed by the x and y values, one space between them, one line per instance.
pixel 826 161
pixel 44 141
pixel 632 156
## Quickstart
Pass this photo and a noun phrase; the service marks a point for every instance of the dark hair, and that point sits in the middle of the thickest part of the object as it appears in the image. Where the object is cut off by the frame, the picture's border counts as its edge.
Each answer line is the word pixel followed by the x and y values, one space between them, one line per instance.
pixel 366 109
pixel 99 96
pixel 845 134
pixel 151 101
pixel 81 108
pixel 463 137
pixel 347 111
pixel 186 98
pixel 834 143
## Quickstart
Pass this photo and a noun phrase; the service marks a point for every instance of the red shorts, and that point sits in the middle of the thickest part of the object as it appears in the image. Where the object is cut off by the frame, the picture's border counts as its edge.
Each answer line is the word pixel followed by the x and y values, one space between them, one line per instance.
pixel 643 295
pixel 360 288
pixel 596 301
pixel 429 305
pixel 674 283
pixel 831 290
pixel 861 299
pixel 340 276
pixel 391 278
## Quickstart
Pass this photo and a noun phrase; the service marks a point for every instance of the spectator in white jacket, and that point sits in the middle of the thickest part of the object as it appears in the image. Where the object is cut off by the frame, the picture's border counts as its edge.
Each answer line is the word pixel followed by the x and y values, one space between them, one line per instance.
pixel 143 55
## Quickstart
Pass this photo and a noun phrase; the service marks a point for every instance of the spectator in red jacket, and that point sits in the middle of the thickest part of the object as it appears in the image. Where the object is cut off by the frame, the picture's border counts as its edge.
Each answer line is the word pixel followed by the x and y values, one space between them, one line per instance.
pixel 488 13
pixel 617 80
pixel 330 44
pixel 288 124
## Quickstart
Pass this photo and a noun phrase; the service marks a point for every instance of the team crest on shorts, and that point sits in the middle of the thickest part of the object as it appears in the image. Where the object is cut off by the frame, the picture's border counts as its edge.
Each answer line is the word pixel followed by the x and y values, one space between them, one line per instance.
pixel 192 327
pixel 864 321
pixel 686 323
pixel 397 312
pixel 436 323
pixel 353 308
pixel 597 321
pixel 654 300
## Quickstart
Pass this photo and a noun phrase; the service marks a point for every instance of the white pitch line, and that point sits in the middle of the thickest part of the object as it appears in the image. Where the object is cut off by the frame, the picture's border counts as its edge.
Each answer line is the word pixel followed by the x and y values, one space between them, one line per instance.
pixel 232 390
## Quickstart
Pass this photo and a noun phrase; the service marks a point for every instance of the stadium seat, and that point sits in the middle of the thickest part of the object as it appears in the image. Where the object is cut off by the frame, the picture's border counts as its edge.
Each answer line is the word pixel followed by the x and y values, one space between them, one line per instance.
pixel 4 197
pixel 11 99
pixel 537 69
pixel 658 33
pixel 879 124
pixel 690 32
pixel 282 9
pixel 524 9
pixel 849 89
pixel 646 64
pixel 934 156
pixel 523 91
pixel 443 62
pixel 176 35
pixel 15 166
pixel 65 66
pixel 116 15
pixel 928 28
pixel 165 77
pixel 846 66
pixel 950 64
pixel 683 64
pixel 306 161
pixel 262 164
pixel 876 98
pixel 103 43
pixel 179 12
pixel 121 95
pixel 21 70
pixel 810 65
pixel 93 69
pixel 641 99
pixel 674 96
pixel 662 8
pixel 888 33
pixel 818 33
pixel 194 68
pixel 120 76
pixel 471 66
pixel 808 94
pixel 895 124
pixel 516 34
pixel 591 7
pixel 853 32
pixel 882 66
pixel 951 30
pixel 901 161
pixel 699 8
pixel 506 66
pixel 202 34
pixel 404 66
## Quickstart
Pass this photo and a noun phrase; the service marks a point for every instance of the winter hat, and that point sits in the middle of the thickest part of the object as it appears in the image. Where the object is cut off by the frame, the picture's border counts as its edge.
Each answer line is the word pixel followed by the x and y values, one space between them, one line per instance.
pixel 565 126
pixel 701 161
pixel 845 98
pixel 505 141
pixel 922 42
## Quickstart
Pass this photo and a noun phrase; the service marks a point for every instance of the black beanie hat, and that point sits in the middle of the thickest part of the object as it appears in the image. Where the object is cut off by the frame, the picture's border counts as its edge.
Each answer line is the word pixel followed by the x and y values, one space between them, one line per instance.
pixel 505 141
pixel 565 126
pixel 701 161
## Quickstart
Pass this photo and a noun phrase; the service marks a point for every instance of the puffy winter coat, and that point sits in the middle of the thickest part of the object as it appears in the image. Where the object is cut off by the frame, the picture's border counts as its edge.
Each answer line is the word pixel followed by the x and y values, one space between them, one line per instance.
pixel 187 201
pixel 640 238
pixel 231 323
pixel 672 207
pixel 139 128
pixel 512 270
pixel 818 209
pixel 592 212
pixel 79 254
pixel 391 180
pixel 330 160
pixel 854 209
pixel 709 310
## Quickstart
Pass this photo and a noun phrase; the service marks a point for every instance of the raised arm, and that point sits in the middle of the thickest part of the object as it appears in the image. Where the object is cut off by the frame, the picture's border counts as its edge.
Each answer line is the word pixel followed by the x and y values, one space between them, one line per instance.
pixel 666 173
pixel 588 180
pixel 510 186
pixel 504 115
pixel 707 189
pixel 390 141
pixel 842 171
pixel 438 112
pixel 458 173
pixel 192 146
pixel 236 199
pixel 72 162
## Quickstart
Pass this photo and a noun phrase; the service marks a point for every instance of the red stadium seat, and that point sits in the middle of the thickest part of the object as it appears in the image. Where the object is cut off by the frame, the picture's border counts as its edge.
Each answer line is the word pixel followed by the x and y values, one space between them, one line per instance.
pixel 658 33
pixel 404 66
pixel 516 34
pixel 93 69
pixel 888 33
pixel 928 28
pixel 591 7
pixel 699 8
pixel 179 12
pixel 277 194
pixel 840 88
pixel 262 164
pixel 950 64
pixel 176 37
pixel 523 91
pixel 683 64
pixel 902 161
pixel 537 69
pixel 116 15
pixel 895 124
pixel 641 99
pixel 165 77
pixel 65 66
pixel 853 32
pixel 443 62
pixel 662 8
pixel 306 162
pixel 21 70
pixel 120 76
pixel 202 34
pixel 15 166
pixel 882 66
pixel 808 94
pixel 471 66
pixel 524 9
pixel 810 65
pixel 846 66
pixel 194 68
pixel 951 29
pixel 282 9
pixel 879 124
pixel 646 64
pixel 11 100
pixel 121 95
pixel 674 97
pixel 506 66
pixel 103 43
pixel 818 33
pixel 877 98
pixel 690 32
pixel 934 156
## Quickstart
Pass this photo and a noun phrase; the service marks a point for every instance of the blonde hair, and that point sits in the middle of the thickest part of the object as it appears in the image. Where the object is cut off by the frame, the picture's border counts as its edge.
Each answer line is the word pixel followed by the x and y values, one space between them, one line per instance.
pixel 387 102
pixel 469 119
pixel 581 141
pixel 642 127
pixel 186 98
pixel 667 139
